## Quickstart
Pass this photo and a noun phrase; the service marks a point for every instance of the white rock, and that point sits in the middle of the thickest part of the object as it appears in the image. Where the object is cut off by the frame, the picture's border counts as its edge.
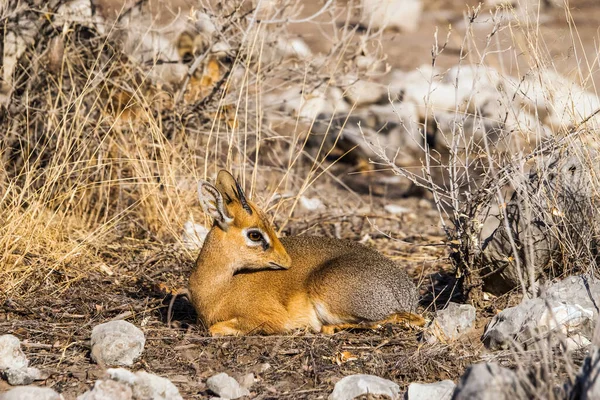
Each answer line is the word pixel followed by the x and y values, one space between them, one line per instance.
pixel 298 104
pixel 428 391
pixel 23 376
pixel 396 209
pixel 30 393
pixel 145 385
pixel 568 318
pixel 402 14
pixel 121 375
pixel 311 204
pixel 371 66
pixel 193 235
pixel 105 389
pixel 335 101
pixel 11 355
pixel 355 385
pixel 572 107
pixel 225 386
pixel 453 321
pixel 473 76
pixel 575 342
pixel 77 11
pixel 361 92
pixel 293 48
pixel 117 343
pixel 149 386
pixel 432 96
pixel 568 306
pixel 220 49
pixel 204 23
pixel 311 106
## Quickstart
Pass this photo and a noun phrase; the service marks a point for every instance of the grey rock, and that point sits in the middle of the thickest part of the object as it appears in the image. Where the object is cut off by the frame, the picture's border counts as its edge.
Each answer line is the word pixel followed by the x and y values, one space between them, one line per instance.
pixel 568 306
pixel 30 393
pixel 23 376
pixel 225 386
pixel 11 355
pixel 427 391
pixel 569 212
pixel 145 386
pixel 117 343
pixel 488 381
pixel 106 389
pixel 454 320
pixel 355 385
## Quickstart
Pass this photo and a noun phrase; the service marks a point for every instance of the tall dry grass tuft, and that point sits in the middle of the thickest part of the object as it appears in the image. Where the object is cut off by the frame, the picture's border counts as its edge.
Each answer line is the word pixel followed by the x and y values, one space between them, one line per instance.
pixel 101 142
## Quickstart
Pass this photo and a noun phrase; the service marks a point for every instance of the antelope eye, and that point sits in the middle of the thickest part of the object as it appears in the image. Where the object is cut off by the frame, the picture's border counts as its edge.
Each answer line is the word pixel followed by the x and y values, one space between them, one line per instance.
pixel 255 236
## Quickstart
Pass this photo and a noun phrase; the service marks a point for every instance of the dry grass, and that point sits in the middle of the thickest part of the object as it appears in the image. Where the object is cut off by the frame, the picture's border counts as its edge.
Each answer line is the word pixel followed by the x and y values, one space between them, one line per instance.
pixel 95 150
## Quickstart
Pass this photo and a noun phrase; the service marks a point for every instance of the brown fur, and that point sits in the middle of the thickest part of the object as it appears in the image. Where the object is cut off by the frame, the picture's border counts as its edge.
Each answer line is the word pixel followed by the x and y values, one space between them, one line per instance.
pixel 318 284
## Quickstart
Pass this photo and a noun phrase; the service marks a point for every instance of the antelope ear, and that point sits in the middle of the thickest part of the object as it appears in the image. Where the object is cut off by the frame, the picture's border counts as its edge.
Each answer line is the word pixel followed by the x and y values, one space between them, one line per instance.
pixel 212 204
pixel 231 190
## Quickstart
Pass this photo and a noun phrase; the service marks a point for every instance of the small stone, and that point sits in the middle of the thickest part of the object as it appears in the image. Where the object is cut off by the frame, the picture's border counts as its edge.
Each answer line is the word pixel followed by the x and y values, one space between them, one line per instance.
pixel 454 320
pixel 11 355
pixel 293 48
pixel 488 381
pixel 145 385
pixel 121 375
pixel 425 204
pixel 363 93
pixel 399 14
pixel 576 342
pixel 311 204
pixel 106 389
pixel 425 391
pixel 30 393
pixel 117 343
pixel 149 386
pixel 396 209
pixel 355 385
pixel 23 376
pixel 225 386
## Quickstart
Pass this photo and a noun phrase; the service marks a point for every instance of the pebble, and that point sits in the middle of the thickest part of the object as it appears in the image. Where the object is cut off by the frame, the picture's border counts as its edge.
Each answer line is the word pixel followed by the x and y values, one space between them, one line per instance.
pixel 225 386
pixel 426 391
pixel 106 389
pixel 23 376
pixel 117 343
pixel 30 393
pixel 451 322
pixel 11 355
pixel 356 385
pixel 144 385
